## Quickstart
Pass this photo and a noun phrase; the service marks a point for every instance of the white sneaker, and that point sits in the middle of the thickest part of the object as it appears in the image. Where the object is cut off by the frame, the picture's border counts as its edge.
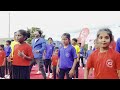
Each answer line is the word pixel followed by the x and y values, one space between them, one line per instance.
pixel 39 72
pixel 50 75
pixel 7 76
pixel 46 74
pixel 2 78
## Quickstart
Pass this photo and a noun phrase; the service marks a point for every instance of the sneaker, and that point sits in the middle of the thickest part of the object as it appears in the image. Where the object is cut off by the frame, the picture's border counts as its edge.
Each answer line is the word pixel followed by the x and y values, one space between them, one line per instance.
pixel 50 75
pixel 2 78
pixel 46 74
pixel 7 76
pixel 39 72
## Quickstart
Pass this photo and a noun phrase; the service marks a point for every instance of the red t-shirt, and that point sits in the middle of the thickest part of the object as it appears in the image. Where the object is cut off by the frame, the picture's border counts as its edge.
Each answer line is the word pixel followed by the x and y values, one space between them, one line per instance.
pixel 19 61
pixel 113 45
pixel 2 57
pixel 105 64
pixel 54 60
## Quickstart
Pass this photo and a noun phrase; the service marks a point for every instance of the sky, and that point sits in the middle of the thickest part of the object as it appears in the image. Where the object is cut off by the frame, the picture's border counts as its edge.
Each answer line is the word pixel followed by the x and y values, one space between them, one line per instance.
pixel 55 23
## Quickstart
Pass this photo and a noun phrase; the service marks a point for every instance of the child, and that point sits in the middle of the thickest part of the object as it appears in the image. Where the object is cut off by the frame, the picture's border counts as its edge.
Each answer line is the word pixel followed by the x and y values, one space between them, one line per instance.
pixel 22 55
pixel 2 62
pixel 8 64
pixel 54 59
pixel 48 54
pixel 81 55
pixel 77 48
pixel 96 45
pixel 67 58
pixel 89 52
pixel 105 60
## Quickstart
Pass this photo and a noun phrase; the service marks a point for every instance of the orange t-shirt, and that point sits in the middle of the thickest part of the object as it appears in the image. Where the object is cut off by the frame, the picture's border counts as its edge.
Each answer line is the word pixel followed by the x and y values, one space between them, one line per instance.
pixel 19 61
pixel 105 64
pixel 2 57
pixel 54 60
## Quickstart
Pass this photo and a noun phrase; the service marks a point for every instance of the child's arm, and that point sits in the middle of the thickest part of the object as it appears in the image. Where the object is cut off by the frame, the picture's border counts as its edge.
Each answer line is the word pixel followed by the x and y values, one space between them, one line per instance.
pixel 118 71
pixel 57 68
pixel 86 73
pixel 4 62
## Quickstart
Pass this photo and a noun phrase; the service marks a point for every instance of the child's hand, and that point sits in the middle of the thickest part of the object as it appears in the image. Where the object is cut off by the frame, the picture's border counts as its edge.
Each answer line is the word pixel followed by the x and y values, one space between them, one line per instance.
pixel 71 73
pixel 57 70
pixel 21 54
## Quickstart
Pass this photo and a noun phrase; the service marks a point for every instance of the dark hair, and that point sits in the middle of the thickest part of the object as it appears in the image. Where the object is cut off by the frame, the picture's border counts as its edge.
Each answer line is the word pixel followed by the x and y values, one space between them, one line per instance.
pixel 24 33
pixel 50 38
pixel 74 39
pixel 109 32
pixel 56 48
pixel 8 41
pixel 67 36
pixel 40 32
pixel 2 46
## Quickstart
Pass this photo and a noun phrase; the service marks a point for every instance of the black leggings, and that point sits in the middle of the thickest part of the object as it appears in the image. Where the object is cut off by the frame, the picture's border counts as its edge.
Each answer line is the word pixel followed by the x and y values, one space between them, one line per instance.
pixel 21 72
pixel 81 58
pixel 2 71
pixel 54 72
pixel 48 65
pixel 64 72
pixel 76 70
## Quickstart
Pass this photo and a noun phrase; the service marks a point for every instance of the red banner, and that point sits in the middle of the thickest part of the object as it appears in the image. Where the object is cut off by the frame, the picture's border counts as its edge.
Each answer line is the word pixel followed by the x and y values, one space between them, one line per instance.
pixel 83 35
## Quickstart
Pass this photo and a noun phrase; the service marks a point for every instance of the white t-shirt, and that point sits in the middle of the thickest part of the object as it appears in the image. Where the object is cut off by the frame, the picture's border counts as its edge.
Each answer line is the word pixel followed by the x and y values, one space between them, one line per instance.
pixel 36 39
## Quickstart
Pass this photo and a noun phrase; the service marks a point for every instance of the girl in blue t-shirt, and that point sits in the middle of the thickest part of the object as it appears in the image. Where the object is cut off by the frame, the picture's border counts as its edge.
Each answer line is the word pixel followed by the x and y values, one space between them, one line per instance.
pixel 67 58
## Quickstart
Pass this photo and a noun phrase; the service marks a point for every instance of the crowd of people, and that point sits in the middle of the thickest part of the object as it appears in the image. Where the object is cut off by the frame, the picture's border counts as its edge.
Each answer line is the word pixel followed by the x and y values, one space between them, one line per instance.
pixel 17 57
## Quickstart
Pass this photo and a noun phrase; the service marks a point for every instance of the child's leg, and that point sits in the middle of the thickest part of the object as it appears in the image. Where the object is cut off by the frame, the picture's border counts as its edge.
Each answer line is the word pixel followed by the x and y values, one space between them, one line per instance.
pixel 24 72
pixel 67 73
pixel 76 69
pixel 61 74
pixel 50 70
pixel 54 72
pixel 82 61
pixel 6 66
pixel 46 65
pixel 15 72
pixel 2 71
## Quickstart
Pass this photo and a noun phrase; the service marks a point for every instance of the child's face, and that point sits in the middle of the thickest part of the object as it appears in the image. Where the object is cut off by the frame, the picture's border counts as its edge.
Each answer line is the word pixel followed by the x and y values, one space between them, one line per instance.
pixel 7 44
pixel 56 51
pixel 65 40
pixel 20 37
pixel 73 42
pixel 50 41
pixel 104 39
pixel 1 48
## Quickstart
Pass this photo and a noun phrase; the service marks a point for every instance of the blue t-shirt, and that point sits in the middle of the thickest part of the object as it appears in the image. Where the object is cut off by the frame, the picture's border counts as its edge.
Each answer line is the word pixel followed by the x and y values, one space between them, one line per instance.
pixel 88 53
pixel 118 45
pixel 7 50
pixel 67 56
pixel 49 51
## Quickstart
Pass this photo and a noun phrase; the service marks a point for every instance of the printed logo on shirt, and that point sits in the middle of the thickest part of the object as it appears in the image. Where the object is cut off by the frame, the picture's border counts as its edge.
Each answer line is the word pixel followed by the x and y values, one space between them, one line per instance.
pixel 109 63
pixel 67 54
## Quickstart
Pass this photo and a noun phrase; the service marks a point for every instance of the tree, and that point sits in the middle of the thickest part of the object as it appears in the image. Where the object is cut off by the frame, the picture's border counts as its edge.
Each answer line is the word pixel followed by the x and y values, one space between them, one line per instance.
pixel 31 31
